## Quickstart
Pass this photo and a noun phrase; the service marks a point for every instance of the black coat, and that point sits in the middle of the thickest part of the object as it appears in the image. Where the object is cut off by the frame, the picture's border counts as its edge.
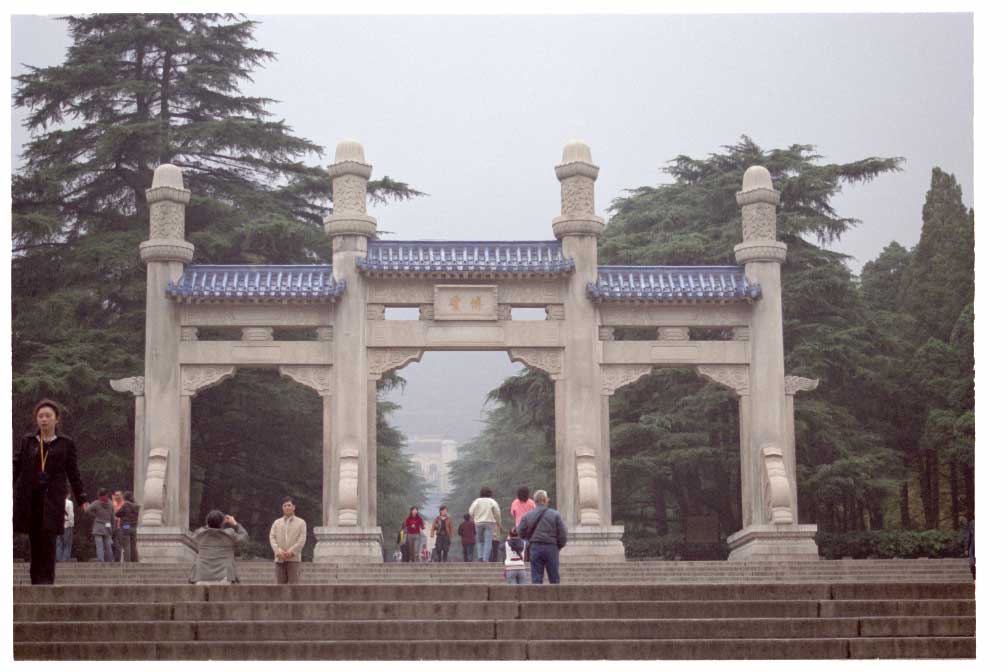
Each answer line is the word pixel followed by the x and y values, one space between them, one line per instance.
pixel 60 467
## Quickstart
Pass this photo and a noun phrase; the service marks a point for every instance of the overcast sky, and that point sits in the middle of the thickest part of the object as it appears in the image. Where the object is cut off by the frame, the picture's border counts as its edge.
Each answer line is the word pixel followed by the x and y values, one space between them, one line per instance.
pixel 475 111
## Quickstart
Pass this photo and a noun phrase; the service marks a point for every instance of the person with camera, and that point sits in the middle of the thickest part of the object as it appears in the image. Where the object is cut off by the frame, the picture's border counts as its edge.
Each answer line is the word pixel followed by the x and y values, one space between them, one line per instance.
pixel 216 544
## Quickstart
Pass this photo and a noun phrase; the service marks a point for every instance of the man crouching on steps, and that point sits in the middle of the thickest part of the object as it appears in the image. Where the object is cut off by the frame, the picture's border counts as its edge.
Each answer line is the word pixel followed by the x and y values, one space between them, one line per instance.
pixel 287 537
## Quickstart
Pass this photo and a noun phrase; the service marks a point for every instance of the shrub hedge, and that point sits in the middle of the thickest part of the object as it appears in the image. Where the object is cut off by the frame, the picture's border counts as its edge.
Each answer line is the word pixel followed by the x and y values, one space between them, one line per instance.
pixel 892 544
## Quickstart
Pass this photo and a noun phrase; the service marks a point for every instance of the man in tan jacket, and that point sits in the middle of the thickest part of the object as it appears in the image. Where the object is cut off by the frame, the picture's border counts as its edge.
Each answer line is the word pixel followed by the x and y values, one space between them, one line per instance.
pixel 287 537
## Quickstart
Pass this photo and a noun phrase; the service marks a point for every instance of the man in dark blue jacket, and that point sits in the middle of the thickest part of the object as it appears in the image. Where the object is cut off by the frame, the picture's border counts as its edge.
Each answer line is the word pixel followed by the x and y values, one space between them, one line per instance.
pixel 547 534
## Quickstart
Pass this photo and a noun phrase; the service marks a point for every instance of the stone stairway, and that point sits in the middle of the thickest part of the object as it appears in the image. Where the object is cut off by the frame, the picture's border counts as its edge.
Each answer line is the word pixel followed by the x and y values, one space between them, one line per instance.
pixel 630 610
pixel 644 572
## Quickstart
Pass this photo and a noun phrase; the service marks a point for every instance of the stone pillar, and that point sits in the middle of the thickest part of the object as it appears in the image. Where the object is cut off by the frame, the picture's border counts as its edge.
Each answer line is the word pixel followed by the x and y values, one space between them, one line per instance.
pixel 793 385
pixel 773 532
pixel 163 534
pixel 135 385
pixel 582 452
pixel 372 460
pixel 345 534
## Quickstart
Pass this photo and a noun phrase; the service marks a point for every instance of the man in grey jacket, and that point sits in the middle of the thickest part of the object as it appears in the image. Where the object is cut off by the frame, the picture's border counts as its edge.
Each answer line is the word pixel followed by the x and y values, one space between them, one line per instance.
pixel 216 545
pixel 547 534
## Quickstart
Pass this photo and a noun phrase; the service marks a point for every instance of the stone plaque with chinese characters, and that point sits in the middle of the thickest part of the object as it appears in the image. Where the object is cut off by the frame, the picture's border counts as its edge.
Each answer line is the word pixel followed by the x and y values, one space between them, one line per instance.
pixel 465 302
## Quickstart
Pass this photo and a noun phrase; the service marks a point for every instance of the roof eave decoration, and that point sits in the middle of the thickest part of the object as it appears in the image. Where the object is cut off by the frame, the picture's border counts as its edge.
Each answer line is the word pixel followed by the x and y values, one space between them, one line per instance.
pixel 257 284
pixel 673 285
pixel 464 259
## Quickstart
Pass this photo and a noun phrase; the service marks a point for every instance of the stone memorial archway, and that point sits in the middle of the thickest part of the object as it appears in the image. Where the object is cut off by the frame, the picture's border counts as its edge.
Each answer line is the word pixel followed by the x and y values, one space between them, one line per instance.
pixel 465 292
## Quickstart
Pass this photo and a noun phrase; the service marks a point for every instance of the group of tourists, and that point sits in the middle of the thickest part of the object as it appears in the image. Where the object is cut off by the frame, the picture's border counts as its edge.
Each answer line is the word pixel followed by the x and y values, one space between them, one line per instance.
pixel 537 536
pixel 116 516
pixel 45 465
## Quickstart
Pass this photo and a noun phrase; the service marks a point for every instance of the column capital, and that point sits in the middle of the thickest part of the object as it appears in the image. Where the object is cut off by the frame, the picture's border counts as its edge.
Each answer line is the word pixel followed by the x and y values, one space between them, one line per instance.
pixel 350 173
pixel 577 175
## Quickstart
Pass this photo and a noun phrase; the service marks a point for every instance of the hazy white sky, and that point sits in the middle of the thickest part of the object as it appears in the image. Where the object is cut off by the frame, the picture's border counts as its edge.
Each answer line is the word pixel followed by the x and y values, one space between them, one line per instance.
pixel 475 111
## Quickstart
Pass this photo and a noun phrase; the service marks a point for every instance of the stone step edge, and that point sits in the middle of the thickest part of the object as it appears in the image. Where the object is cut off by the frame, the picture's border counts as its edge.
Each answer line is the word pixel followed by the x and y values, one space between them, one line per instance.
pixel 834 648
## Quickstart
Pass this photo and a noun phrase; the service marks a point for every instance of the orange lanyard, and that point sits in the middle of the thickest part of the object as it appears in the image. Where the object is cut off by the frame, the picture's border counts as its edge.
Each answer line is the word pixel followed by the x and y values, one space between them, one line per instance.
pixel 42 451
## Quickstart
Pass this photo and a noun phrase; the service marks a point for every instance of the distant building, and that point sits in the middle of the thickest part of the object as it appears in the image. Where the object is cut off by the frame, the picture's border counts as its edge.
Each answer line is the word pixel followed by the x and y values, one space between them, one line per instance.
pixel 432 456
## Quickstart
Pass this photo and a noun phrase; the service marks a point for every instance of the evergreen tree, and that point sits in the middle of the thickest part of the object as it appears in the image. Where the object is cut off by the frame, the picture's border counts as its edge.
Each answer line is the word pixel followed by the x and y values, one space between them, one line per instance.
pixel 136 91
pixel 674 438
pixel 924 301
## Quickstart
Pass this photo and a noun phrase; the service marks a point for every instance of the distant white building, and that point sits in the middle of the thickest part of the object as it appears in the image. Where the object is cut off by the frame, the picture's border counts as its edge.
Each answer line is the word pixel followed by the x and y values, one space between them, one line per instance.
pixel 432 456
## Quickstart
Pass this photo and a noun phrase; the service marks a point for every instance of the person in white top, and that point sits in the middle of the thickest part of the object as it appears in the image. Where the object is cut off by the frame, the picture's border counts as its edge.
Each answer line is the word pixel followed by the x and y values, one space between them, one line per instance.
pixel 64 542
pixel 287 537
pixel 486 514
pixel 514 560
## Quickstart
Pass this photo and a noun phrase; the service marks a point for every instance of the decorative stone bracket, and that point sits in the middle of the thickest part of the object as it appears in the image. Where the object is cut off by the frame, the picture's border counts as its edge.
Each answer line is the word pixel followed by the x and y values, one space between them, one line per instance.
pixel 776 487
pixel 135 385
pixel 199 377
pixel 548 360
pixel 381 360
pixel 795 384
pixel 734 376
pixel 615 376
pixel 315 377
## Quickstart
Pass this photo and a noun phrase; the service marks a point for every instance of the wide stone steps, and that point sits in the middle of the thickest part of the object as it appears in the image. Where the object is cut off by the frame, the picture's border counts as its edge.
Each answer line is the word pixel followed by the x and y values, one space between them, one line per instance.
pixel 627 572
pixel 479 621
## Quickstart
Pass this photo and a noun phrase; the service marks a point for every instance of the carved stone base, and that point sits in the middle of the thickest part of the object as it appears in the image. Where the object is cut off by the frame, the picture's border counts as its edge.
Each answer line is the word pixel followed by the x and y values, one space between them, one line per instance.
pixel 165 544
pixel 774 542
pixel 354 545
pixel 593 543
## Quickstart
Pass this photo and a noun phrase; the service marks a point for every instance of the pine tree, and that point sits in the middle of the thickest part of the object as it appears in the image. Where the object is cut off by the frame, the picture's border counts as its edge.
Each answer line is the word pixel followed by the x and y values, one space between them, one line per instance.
pixel 136 91
pixel 674 438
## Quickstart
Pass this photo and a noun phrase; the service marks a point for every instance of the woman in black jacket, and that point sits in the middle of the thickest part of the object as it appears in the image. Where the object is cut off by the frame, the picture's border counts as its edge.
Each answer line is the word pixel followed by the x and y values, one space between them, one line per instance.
pixel 43 464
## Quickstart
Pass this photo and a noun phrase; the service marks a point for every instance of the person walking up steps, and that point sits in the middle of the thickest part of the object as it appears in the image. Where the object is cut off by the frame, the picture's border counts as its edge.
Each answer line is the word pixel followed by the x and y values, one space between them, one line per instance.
pixel 442 532
pixel 414 525
pixel 467 534
pixel 514 559
pixel 486 514
pixel 546 533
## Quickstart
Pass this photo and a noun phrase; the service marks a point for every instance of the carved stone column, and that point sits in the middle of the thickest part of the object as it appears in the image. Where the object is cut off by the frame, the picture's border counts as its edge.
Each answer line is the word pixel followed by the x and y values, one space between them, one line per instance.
pixel 345 534
pixel 163 532
pixel 773 531
pixel 135 385
pixel 582 456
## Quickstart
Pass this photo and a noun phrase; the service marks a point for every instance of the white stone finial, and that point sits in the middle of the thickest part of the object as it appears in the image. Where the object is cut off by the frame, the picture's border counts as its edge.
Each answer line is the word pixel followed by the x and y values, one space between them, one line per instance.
pixel 350 174
pixel 167 175
pixel 350 150
pixel 759 200
pixel 756 177
pixel 577 175
pixel 167 200
pixel 576 150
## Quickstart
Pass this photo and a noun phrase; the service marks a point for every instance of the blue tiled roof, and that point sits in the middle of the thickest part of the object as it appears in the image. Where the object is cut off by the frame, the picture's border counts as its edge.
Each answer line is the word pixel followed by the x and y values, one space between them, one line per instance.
pixel 454 259
pixel 256 283
pixel 673 284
